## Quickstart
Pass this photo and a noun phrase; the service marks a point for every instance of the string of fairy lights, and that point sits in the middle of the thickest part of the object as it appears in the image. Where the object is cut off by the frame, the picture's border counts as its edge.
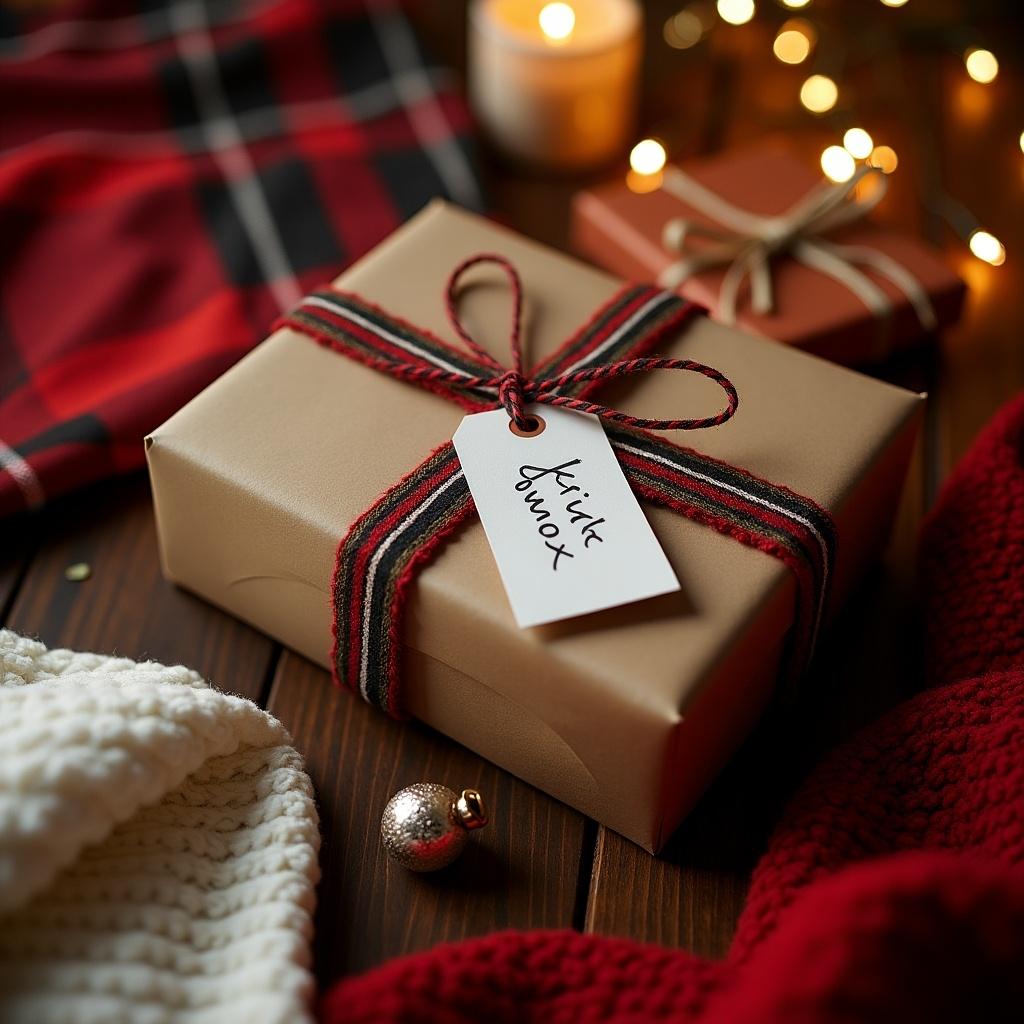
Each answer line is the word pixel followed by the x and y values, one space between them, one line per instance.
pixel 795 41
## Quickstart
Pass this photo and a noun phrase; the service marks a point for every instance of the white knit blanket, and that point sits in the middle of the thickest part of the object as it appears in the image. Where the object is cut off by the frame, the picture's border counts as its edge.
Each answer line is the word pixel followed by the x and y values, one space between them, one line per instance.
pixel 158 847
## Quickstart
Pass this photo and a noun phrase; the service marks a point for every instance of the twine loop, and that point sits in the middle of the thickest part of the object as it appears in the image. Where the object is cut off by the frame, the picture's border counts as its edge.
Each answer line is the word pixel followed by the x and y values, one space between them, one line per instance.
pixel 514 389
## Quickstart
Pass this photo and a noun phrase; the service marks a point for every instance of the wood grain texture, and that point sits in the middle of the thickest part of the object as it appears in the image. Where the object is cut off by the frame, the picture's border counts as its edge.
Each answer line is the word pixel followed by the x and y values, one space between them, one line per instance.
pixel 126 607
pixel 519 872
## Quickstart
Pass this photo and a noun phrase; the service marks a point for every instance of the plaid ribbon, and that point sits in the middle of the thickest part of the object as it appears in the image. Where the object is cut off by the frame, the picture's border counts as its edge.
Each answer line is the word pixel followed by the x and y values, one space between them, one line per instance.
pixel 392 540
pixel 172 177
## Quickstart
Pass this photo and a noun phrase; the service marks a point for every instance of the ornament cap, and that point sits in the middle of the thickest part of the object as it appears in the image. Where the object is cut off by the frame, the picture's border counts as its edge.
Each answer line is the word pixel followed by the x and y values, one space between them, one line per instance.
pixel 471 809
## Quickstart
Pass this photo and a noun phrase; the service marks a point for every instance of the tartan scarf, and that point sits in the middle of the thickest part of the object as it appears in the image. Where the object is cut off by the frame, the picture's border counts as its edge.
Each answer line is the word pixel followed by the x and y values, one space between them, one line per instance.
pixel 172 177
pixel 385 548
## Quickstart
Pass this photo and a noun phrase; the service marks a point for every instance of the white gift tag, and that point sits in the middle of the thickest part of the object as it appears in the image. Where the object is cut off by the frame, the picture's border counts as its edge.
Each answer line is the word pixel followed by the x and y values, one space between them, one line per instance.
pixel 567 533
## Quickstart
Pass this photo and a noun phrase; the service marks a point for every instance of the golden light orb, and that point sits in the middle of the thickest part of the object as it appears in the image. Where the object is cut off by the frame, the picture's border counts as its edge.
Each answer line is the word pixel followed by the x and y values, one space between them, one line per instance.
pixel 858 143
pixel 795 5
pixel 987 247
pixel 895 3
pixel 884 158
pixel 794 41
pixel 683 30
pixel 647 157
pixel 837 164
pixel 557 21
pixel 981 65
pixel 735 12
pixel 819 94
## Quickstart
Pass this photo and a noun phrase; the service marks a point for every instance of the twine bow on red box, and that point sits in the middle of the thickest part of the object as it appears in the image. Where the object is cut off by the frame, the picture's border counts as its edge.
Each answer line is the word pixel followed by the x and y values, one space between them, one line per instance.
pixel 392 540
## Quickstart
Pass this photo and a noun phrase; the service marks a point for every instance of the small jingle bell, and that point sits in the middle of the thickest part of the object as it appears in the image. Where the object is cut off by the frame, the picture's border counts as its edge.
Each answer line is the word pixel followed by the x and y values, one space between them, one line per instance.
pixel 425 826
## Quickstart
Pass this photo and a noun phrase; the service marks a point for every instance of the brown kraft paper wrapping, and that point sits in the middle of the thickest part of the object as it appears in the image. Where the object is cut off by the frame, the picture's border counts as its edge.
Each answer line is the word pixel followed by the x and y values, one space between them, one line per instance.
pixel 625 714
pixel 621 231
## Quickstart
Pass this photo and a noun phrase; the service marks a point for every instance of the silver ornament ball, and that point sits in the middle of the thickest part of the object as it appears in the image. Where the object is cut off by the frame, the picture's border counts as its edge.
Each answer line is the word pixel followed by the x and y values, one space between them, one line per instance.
pixel 425 826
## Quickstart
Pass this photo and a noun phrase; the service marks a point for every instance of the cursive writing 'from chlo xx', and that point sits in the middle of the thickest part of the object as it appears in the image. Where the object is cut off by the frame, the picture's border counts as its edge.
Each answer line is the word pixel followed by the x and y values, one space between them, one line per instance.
pixel 561 524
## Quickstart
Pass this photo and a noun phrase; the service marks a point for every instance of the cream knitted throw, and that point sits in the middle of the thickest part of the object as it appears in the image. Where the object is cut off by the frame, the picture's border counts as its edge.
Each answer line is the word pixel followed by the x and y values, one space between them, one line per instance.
pixel 158 847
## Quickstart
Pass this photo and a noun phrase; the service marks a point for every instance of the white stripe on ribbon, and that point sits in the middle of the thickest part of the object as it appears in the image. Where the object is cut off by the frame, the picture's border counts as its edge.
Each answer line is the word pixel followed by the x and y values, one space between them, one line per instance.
pixel 382 332
pixel 227 147
pixel 764 503
pixel 371 574
pixel 658 300
pixel 19 470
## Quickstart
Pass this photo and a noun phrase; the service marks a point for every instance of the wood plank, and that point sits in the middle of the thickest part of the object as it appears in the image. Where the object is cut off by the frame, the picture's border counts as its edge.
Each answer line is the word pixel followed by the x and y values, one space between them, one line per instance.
pixel 126 607
pixel 519 872
pixel 20 540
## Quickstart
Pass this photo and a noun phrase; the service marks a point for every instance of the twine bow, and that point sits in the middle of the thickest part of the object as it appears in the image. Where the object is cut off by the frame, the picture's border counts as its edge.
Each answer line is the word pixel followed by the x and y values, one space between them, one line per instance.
pixel 746 243
pixel 514 389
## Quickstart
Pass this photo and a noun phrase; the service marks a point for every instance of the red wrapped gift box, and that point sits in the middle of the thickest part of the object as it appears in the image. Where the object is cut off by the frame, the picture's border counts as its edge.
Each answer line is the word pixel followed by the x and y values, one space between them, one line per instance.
pixel 624 231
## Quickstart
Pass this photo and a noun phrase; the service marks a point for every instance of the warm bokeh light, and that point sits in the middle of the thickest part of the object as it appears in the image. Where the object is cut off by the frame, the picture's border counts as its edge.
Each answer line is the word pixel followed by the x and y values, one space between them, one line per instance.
pixel 557 21
pixel 647 157
pixel 837 164
pixel 795 4
pixel 884 158
pixel 641 183
pixel 858 143
pixel 683 30
pixel 794 41
pixel 981 65
pixel 987 247
pixel 894 3
pixel 1021 141
pixel 736 12
pixel 819 93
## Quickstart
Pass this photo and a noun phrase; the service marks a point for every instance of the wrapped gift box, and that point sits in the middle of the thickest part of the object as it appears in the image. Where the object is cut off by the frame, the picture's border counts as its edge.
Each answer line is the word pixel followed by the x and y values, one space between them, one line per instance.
pixel 625 714
pixel 622 231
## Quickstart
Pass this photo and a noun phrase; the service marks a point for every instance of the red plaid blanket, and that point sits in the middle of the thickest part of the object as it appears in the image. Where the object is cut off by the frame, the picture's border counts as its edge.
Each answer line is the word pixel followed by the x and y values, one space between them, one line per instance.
pixel 173 177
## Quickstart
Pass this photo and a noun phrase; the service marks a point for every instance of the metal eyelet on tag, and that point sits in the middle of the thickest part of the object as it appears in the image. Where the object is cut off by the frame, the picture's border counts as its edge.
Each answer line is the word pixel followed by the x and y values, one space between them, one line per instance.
pixel 538 427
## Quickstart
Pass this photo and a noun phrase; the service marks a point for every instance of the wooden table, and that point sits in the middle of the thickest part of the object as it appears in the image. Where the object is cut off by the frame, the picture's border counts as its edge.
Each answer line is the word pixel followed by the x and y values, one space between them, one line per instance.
pixel 541 864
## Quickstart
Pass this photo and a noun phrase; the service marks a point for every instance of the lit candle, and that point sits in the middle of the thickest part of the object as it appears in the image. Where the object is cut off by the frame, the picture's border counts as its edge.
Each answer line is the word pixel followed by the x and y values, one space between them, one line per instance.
pixel 555 84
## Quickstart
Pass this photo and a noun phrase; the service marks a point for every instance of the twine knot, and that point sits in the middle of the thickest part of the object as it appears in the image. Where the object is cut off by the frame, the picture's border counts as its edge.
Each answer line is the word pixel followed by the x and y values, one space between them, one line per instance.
pixel 514 389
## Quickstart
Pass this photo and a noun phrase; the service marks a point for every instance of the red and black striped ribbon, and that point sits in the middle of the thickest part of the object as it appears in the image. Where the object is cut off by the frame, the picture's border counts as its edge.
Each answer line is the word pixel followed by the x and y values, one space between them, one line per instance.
pixel 387 545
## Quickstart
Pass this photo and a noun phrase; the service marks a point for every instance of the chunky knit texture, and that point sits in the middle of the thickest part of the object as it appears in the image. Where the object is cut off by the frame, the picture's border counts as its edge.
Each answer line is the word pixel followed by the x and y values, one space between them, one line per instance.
pixel 972 557
pixel 158 847
pixel 893 888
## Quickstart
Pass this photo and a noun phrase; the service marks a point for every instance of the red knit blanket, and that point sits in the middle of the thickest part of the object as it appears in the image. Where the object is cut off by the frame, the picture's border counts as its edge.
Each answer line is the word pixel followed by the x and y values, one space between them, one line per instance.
pixel 893 888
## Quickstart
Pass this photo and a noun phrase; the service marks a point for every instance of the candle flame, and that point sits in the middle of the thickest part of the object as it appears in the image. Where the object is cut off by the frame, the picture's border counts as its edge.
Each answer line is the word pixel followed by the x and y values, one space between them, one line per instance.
pixel 557 21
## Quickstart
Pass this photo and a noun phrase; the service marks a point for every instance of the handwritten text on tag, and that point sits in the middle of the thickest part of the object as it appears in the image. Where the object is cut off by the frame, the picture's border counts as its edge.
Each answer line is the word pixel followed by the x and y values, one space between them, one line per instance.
pixel 566 530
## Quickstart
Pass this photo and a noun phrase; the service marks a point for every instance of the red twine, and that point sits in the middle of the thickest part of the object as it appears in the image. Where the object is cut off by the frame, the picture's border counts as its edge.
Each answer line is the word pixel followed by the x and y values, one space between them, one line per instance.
pixel 515 389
